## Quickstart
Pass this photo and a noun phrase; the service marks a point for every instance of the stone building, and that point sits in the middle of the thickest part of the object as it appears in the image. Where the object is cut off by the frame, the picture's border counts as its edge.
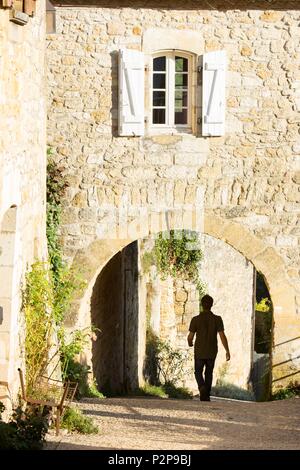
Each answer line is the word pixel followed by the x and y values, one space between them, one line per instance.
pixel 178 115
pixel 164 115
pixel 22 172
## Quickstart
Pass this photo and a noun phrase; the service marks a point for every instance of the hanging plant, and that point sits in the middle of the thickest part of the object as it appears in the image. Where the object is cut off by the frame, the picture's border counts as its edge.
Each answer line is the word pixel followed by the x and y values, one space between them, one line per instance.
pixel 177 254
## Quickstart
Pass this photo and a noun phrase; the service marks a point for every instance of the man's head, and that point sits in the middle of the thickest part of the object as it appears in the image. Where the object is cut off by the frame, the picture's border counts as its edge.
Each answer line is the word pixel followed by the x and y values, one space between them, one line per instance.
pixel 207 302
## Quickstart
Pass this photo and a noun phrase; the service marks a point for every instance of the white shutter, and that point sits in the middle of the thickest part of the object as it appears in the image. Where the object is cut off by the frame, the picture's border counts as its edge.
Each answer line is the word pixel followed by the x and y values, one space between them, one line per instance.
pixel 213 93
pixel 131 92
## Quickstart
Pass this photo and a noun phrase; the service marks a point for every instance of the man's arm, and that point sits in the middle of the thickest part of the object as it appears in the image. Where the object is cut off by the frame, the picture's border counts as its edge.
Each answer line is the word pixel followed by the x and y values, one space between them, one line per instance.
pixel 225 344
pixel 190 338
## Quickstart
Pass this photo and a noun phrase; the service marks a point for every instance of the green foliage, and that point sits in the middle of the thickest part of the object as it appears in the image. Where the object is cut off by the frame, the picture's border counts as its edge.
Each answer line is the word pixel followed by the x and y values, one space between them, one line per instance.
pixel 171 363
pixel 166 390
pixel 152 391
pixel 292 390
pixel 92 391
pixel 48 294
pixel 44 313
pixel 25 431
pixel 177 254
pixel 164 368
pixel 56 187
pixel 8 439
pixel 72 369
pixel 70 348
pixel 66 281
pixel 74 420
pixel 37 305
pixel 77 372
pixel 264 305
pixel 177 392
pixel 148 260
pixel 2 408
pixel 67 284
pixel 263 326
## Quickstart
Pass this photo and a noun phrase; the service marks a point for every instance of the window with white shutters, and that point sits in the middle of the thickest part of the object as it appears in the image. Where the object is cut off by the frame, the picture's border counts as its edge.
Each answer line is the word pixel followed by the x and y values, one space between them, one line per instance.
pixel 171 102
pixel 213 93
pixel 175 101
pixel 131 93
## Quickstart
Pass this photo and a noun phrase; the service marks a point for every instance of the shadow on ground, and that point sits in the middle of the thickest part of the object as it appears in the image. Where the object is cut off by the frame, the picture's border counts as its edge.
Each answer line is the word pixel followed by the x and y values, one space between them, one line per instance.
pixel 153 423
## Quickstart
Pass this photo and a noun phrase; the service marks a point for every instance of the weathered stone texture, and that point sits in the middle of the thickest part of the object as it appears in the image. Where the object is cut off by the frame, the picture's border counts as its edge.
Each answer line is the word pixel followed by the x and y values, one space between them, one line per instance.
pixel 229 278
pixel 249 177
pixel 83 83
pixel 22 176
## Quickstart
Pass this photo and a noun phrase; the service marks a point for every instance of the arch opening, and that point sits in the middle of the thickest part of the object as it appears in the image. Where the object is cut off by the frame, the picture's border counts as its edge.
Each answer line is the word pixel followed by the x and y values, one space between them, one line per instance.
pixel 115 312
pixel 128 298
pixel 91 260
pixel 263 340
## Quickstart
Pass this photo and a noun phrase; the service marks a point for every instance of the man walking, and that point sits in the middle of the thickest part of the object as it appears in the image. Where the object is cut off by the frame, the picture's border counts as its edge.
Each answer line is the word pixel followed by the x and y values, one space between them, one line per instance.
pixel 206 326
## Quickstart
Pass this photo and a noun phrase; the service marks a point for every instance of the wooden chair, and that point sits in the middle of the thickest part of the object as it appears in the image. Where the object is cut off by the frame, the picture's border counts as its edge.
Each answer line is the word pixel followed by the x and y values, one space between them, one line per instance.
pixel 53 393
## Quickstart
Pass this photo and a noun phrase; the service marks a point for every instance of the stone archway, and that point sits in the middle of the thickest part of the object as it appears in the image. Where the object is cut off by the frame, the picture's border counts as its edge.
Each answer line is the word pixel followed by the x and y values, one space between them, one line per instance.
pixel 265 259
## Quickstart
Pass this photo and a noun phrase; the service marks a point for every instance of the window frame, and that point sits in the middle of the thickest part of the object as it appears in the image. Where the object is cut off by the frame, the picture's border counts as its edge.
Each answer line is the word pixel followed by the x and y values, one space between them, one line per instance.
pixel 170 126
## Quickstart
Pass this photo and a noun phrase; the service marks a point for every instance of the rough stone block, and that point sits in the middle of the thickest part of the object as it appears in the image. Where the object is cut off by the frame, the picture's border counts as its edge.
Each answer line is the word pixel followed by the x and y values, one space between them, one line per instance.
pixel 115 28
pixel 181 295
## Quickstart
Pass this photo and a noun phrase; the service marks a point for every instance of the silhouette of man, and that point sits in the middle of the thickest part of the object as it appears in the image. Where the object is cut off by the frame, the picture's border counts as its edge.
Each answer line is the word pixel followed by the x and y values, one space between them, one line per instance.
pixel 206 325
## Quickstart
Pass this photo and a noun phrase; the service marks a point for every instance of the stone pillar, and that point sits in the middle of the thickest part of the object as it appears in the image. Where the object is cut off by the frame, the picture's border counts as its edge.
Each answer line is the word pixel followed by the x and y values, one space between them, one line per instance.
pixel 155 304
pixel 167 311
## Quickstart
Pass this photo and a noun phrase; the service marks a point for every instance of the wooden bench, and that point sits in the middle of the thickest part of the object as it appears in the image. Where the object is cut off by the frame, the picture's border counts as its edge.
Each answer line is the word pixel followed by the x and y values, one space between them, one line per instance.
pixel 52 393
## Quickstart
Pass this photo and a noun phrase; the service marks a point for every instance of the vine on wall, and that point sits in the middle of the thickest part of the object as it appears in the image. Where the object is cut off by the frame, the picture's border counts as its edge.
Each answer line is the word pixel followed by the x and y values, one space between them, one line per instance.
pixel 177 254
pixel 50 288
pixel 66 280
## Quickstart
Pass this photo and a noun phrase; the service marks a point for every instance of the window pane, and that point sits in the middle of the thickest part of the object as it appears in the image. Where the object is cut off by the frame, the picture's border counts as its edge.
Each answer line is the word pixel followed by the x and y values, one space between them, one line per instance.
pixel 159 98
pixel 181 99
pixel 159 64
pixel 181 116
pixel 181 64
pixel 181 80
pixel 159 116
pixel 159 80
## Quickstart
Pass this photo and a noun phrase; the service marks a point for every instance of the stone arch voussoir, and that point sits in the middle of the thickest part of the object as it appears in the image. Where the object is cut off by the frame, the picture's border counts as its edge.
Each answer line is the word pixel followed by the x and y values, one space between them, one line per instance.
pixel 91 260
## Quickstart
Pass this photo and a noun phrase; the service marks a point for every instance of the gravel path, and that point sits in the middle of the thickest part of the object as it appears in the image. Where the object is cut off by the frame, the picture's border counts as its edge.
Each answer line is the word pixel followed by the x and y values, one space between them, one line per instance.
pixel 156 424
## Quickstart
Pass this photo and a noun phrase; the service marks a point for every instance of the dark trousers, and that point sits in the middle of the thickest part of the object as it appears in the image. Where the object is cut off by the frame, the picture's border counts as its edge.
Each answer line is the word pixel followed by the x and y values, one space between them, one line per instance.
pixel 208 373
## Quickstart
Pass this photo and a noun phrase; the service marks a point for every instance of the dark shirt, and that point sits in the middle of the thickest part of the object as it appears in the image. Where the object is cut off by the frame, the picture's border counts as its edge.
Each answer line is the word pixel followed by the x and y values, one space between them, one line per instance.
pixel 206 326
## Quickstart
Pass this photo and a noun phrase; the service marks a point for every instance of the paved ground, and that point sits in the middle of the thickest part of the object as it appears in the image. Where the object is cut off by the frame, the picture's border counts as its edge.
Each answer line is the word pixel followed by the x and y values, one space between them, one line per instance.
pixel 151 423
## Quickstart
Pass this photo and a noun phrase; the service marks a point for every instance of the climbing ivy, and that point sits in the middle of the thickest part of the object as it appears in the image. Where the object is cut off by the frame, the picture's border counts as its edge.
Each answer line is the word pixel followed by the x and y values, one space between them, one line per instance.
pixel 177 253
pixel 56 187
pixel 50 288
pixel 164 368
pixel 66 280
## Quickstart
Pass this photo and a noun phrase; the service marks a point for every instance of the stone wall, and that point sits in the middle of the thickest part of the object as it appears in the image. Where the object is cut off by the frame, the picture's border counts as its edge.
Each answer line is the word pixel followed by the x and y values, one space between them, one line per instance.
pixel 229 278
pixel 249 178
pixel 22 178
